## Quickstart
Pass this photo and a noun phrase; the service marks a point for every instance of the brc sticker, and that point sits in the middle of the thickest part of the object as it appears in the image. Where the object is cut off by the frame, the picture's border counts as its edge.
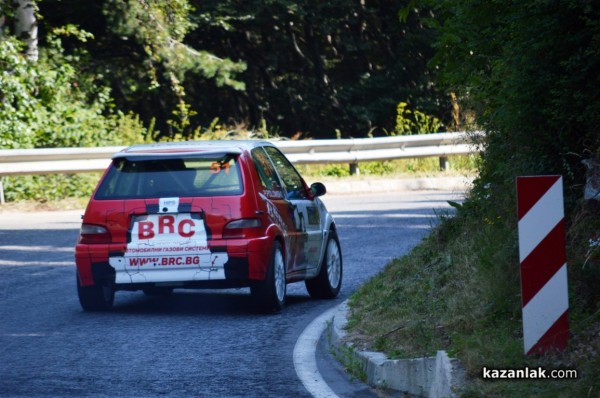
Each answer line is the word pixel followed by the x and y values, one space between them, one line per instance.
pixel 168 241
pixel 167 227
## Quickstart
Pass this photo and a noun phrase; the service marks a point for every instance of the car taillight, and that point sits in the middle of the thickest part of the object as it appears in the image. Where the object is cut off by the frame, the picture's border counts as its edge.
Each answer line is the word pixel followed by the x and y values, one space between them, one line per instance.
pixel 242 228
pixel 90 233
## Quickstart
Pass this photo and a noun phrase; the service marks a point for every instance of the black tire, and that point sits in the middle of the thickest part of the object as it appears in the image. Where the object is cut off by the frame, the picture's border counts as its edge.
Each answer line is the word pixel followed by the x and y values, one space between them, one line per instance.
pixel 96 297
pixel 158 291
pixel 269 295
pixel 327 284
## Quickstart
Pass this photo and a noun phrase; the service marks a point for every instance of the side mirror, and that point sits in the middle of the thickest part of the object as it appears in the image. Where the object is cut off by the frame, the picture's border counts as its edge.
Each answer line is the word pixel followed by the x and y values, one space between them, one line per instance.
pixel 318 189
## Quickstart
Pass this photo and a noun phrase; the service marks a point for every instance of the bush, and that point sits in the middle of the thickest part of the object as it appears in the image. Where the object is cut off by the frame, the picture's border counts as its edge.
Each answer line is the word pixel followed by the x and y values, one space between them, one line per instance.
pixel 42 106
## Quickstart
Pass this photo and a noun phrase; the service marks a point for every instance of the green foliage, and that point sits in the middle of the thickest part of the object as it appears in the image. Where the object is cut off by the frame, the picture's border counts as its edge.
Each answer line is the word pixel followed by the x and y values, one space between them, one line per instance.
pixel 18 104
pixel 160 28
pixel 401 168
pixel 303 67
pixel 382 168
pixel 320 67
pixel 415 122
pixel 50 104
pixel 528 71
pixel 49 188
pixel 525 70
pixel 168 65
pixel 336 170
pixel 353 365
pixel 42 105
pixel 216 130
pixel 181 121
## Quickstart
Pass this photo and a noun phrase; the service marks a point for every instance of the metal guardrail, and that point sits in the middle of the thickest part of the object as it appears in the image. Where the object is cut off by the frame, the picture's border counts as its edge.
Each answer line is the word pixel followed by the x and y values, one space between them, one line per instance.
pixel 369 149
pixel 14 162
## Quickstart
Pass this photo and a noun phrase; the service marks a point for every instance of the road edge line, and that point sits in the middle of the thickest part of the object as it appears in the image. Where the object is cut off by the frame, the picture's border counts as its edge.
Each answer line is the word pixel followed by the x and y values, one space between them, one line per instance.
pixel 305 360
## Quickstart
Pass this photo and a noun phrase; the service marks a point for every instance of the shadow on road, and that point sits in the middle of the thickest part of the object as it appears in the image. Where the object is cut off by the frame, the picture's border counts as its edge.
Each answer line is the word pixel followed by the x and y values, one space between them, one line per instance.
pixel 225 303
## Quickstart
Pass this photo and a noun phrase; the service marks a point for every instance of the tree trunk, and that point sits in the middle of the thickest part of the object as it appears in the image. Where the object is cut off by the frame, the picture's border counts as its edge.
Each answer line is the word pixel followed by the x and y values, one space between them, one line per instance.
pixel 26 26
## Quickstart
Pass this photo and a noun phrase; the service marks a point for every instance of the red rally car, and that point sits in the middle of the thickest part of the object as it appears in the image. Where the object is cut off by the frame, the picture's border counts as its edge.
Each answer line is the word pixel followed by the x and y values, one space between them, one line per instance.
pixel 206 214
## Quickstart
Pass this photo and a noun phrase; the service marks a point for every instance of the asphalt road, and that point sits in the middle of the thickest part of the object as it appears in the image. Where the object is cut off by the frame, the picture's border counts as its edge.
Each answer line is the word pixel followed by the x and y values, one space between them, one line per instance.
pixel 198 343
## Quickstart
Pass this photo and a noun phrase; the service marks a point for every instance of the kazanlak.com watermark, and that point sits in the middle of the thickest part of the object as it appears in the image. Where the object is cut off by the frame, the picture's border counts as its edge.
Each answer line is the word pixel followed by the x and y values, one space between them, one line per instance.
pixel 529 373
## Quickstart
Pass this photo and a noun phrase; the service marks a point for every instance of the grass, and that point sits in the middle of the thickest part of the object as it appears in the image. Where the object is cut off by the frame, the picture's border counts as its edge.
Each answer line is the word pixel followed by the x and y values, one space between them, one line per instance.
pixel 403 168
pixel 459 290
pixel 53 205
pixel 345 355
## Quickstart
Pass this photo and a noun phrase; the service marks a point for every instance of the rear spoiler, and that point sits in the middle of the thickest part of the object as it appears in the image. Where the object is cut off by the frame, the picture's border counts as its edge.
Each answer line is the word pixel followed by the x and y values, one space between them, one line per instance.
pixel 174 152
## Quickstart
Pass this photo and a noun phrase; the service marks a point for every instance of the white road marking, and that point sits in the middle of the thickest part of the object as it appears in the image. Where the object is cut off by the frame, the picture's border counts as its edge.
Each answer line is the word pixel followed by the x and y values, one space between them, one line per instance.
pixel 305 361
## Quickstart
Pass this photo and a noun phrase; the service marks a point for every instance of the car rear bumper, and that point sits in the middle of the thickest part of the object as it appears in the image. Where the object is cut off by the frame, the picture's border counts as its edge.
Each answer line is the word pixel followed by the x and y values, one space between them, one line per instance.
pixel 227 263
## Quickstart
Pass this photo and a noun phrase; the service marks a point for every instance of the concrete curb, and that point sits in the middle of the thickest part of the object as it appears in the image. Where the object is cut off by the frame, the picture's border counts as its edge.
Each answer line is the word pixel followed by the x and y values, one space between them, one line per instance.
pixel 379 185
pixel 433 377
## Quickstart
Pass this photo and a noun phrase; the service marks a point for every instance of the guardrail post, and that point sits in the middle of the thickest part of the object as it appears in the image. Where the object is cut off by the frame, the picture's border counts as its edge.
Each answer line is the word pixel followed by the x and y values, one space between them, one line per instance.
pixel 444 163
pixel 354 170
pixel 1 192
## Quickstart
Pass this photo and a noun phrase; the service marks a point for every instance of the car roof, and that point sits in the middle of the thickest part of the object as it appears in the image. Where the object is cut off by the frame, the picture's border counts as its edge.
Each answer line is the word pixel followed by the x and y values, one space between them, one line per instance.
pixel 191 147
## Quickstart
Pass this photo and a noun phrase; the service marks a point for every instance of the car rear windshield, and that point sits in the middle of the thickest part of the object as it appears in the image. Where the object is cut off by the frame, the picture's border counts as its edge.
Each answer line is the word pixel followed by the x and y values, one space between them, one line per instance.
pixel 163 177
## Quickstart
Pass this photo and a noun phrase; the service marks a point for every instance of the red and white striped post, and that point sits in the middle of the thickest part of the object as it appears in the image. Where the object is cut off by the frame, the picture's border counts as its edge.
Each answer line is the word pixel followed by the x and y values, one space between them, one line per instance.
pixel 543 259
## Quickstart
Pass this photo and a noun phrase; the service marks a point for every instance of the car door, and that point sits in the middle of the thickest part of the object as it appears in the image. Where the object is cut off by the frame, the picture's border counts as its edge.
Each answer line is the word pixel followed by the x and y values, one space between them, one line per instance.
pixel 271 191
pixel 303 211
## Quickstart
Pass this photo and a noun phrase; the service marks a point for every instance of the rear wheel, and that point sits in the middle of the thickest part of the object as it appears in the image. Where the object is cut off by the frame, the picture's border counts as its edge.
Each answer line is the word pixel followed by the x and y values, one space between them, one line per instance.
pixel 97 297
pixel 328 282
pixel 269 295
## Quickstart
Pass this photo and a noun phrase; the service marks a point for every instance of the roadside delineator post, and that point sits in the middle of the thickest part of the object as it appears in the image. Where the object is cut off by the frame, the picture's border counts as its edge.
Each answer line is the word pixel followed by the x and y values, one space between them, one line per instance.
pixel 542 254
